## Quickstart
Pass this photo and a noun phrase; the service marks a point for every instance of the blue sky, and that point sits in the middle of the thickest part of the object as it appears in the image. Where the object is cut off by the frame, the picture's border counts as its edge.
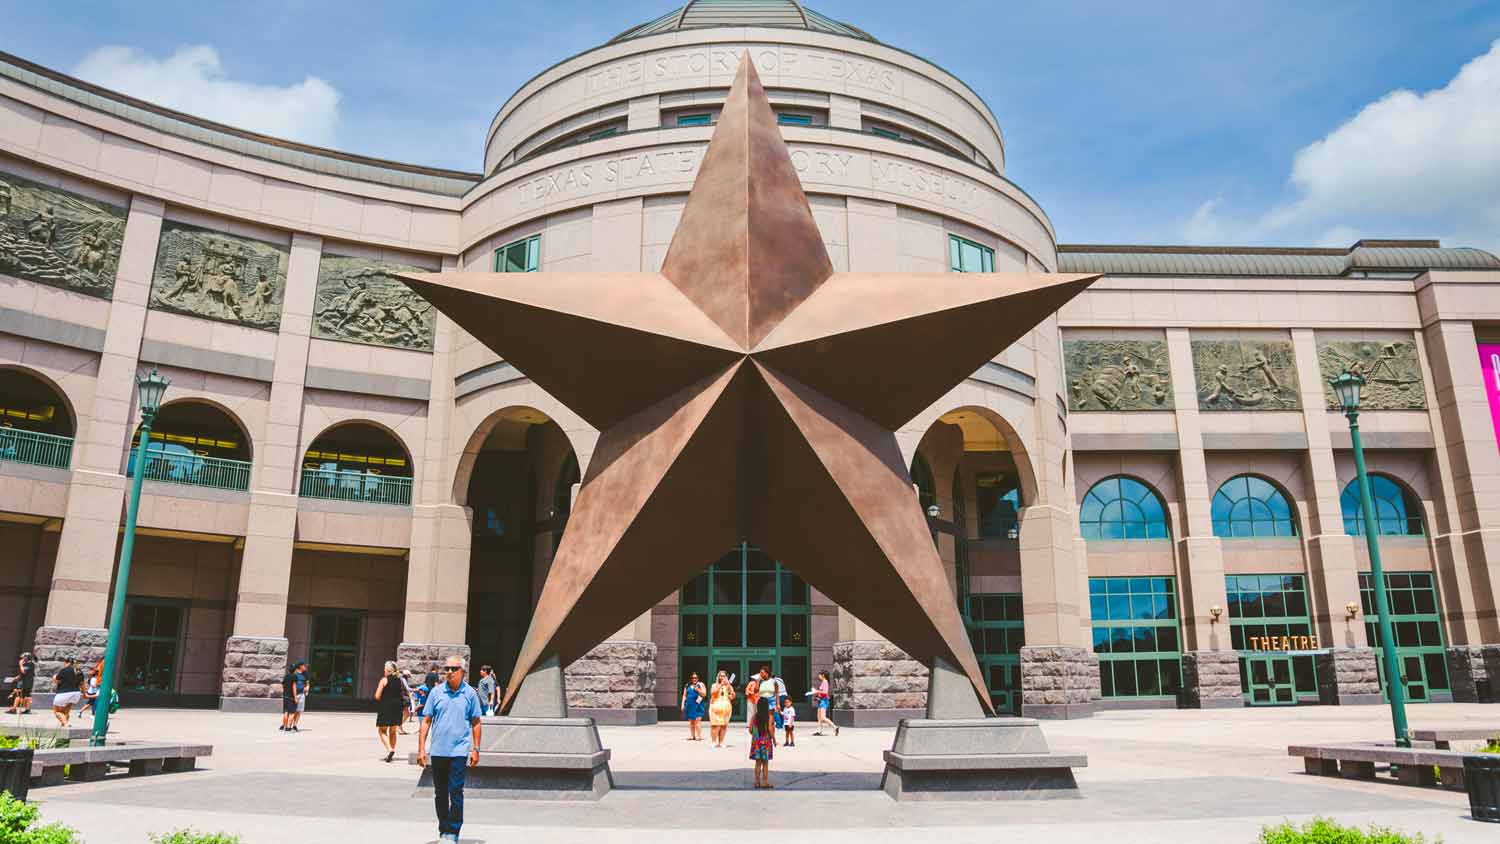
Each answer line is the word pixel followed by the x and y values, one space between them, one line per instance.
pixel 1191 122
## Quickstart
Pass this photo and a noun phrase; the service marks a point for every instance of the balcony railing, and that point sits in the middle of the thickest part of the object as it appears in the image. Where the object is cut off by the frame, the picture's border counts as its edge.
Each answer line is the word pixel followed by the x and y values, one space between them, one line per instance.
pixel 194 470
pixel 347 485
pixel 36 448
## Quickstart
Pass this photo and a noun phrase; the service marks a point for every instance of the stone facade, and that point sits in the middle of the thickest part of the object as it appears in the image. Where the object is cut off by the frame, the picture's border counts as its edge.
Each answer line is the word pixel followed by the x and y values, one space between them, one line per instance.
pixel 874 684
pixel 253 671
pixel 55 645
pixel 1348 676
pixel 1472 673
pixel 1059 682
pixel 1211 679
pixel 421 657
pixel 614 683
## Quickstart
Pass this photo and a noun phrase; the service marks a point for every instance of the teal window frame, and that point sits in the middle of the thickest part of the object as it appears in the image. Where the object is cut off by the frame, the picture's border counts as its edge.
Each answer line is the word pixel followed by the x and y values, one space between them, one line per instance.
pixel 1416 619
pixel 1122 507
pixel 1128 614
pixel 1249 506
pixel 881 132
pixel 697 119
pixel 1270 605
pixel 997 629
pixel 1398 511
pixel 144 631
pixel 607 132
pixel 966 256
pixel 521 256
pixel 340 678
pixel 791 119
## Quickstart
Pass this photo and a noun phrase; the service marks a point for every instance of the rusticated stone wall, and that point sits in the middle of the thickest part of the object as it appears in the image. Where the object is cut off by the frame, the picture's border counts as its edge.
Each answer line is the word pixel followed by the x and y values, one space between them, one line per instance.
pixel 876 684
pixel 615 683
pixel 1348 676
pixel 421 657
pixel 56 644
pixel 1059 682
pixel 1473 681
pixel 1211 679
pixel 253 667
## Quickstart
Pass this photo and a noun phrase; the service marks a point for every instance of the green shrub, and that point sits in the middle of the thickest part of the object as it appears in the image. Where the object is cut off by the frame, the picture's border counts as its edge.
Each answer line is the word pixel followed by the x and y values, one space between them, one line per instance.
pixel 10 742
pixel 192 836
pixel 1325 831
pixel 1492 747
pixel 18 825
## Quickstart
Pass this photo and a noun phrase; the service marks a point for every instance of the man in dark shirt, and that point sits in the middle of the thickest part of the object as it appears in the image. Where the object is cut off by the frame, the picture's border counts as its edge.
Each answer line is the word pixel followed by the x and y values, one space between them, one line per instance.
pixel 289 694
pixel 20 695
pixel 302 682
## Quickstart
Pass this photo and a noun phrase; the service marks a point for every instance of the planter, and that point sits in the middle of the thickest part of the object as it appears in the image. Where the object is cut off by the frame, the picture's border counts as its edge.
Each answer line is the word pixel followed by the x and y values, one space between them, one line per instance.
pixel 15 771
pixel 1482 779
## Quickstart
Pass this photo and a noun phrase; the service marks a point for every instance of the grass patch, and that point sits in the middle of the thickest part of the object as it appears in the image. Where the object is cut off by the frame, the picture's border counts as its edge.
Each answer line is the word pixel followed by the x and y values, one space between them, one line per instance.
pixel 20 824
pixel 192 836
pixel 1326 831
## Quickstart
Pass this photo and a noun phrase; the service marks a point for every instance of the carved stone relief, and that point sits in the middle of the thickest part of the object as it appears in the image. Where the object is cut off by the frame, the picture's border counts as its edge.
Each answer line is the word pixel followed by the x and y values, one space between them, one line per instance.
pixel 358 299
pixel 220 276
pixel 54 237
pixel 1393 377
pixel 1245 375
pixel 1118 375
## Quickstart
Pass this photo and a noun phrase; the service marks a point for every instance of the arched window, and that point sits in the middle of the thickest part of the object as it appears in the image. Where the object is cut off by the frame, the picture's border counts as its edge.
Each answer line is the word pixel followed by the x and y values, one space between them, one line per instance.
pixel 35 425
pixel 1246 505
pixel 357 461
pixel 1122 508
pixel 1398 511
pixel 196 444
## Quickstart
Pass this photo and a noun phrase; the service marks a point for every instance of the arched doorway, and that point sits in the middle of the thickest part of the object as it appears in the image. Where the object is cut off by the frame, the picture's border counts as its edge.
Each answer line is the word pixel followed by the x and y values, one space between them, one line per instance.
pixel 522 479
pixel 966 466
pixel 196 443
pixel 36 426
pixel 357 461
pixel 745 611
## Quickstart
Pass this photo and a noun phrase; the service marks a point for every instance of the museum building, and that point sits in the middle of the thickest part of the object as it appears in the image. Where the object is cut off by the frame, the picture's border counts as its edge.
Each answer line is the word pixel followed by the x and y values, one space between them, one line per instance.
pixel 1145 502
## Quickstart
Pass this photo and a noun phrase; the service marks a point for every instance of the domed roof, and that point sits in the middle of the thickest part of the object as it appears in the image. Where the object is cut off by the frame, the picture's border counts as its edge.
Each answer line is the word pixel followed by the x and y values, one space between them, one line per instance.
pixel 701 14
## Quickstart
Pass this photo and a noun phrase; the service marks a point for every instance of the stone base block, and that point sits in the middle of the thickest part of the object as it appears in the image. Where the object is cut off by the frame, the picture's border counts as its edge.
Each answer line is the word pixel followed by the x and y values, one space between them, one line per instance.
pixel 877 677
pixel 1348 677
pixel 614 683
pixel 1211 680
pixel 535 759
pixel 1059 682
pixel 55 645
pixel 1473 680
pixel 253 668
pixel 884 718
pixel 422 657
pixel 977 759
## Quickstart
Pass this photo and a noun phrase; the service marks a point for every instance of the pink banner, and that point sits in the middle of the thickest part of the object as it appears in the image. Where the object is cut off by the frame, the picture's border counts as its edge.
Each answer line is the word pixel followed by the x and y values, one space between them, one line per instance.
pixel 1489 367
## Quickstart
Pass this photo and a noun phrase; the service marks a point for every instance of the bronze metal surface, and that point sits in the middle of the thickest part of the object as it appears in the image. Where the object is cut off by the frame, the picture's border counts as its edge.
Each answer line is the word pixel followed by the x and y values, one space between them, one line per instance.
pixel 747 392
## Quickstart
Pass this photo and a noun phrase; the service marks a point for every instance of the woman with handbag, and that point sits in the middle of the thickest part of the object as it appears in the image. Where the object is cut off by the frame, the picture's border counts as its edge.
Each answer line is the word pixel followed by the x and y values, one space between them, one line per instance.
pixel 720 708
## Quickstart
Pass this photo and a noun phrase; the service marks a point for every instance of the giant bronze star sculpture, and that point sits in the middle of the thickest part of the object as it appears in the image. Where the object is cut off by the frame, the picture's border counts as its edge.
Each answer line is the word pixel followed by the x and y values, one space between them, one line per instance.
pixel 747 391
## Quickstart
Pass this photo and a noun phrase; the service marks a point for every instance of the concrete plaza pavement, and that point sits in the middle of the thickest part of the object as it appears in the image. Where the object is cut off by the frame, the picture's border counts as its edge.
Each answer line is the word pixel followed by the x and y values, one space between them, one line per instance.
pixel 1153 776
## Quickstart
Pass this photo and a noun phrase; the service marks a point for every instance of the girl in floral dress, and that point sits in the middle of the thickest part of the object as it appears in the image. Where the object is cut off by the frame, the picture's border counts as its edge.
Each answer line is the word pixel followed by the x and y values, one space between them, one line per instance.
pixel 762 742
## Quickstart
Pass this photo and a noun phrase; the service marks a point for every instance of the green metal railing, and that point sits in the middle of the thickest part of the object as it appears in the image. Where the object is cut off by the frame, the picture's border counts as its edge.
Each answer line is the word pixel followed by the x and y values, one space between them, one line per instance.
pixel 36 448
pixel 193 470
pixel 348 485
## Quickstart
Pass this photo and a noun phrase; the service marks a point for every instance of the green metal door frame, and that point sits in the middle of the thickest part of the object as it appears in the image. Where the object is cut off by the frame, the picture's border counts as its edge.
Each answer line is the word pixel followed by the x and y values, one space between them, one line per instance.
pixel 1271 676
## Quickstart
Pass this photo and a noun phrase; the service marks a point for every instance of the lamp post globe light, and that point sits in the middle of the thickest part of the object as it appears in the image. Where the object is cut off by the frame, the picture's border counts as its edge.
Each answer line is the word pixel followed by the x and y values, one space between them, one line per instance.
pixel 1346 387
pixel 149 390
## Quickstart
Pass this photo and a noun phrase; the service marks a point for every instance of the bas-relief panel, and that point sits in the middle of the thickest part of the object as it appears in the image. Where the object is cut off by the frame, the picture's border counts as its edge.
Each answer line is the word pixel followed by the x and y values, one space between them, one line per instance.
pixel 1245 375
pixel 1393 377
pixel 221 276
pixel 54 237
pixel 358 299
pixel 1117 375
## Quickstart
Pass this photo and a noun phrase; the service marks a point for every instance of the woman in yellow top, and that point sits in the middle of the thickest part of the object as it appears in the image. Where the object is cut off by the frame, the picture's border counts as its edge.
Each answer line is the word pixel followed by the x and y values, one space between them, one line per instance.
pixel 720 707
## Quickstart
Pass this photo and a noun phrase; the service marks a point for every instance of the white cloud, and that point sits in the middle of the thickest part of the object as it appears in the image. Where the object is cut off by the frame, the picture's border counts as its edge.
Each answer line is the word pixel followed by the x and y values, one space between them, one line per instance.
pixel 193 80
pixel 1205 226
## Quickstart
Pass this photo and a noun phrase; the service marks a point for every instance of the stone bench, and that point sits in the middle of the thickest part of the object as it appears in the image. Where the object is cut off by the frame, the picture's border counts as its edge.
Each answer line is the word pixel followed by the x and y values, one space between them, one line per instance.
pixel 45 734
pixel 90 764
pixel 977 759
pixel 1443 738
pixel 1412 765
pixel 535 759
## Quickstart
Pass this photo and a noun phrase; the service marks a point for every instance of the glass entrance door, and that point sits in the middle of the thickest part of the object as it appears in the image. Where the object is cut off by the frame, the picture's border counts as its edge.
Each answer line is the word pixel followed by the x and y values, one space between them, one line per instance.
pixel 1413 676
pixel 1271 682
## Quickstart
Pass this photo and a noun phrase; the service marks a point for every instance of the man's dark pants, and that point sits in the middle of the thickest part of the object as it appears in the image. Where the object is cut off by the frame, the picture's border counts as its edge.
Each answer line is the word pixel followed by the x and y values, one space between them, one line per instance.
pixel 448 774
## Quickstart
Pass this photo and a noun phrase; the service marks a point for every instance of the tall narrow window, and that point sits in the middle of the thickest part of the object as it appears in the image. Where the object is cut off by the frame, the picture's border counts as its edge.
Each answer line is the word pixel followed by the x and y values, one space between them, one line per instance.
pixel 999 498
pixel 335 653
pixel 153 633
pixel 1134 622
pixel 966 256
pixel 1418 625
pixel 523 256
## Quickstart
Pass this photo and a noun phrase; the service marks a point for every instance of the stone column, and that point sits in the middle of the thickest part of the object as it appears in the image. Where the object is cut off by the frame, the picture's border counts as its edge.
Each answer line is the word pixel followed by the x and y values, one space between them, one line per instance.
pixel 255 655
pixel 1348 676
pixel 1200 554
pixel 78 602
pixel 643 113
pixel 437 568
pixel 1469 675
pixel 615 682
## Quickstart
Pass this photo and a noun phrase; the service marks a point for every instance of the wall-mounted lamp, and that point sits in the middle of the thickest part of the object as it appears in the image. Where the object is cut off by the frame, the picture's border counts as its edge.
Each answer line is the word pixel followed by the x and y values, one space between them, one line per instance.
pixel 1013 533
pixel 933 511
pixel 1214 613
pixel 1351 610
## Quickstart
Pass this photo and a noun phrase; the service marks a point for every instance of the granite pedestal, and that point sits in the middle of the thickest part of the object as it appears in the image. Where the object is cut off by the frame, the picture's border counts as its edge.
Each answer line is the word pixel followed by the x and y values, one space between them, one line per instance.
pixel 956 753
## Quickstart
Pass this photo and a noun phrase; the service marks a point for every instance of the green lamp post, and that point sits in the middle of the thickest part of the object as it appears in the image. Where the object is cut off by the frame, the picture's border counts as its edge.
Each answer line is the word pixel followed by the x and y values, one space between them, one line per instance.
pixel 149 390
pixel 1347 387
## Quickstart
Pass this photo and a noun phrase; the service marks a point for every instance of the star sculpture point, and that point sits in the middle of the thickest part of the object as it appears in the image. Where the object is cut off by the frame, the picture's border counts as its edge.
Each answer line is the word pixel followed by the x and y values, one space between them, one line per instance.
pixel 747 392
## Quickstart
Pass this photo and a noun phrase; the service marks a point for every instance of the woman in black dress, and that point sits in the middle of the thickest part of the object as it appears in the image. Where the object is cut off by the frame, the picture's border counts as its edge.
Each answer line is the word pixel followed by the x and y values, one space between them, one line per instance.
pixel 390 709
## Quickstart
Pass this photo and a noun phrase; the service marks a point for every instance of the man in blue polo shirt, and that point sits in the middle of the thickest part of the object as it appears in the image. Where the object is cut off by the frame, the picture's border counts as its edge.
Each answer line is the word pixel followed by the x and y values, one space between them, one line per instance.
pixel 450 735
